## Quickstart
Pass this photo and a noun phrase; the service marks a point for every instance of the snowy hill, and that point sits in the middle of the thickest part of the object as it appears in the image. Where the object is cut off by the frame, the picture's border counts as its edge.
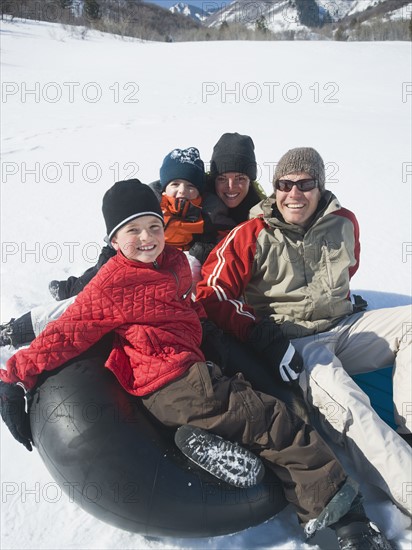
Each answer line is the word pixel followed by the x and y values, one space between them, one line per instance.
pixel 80 112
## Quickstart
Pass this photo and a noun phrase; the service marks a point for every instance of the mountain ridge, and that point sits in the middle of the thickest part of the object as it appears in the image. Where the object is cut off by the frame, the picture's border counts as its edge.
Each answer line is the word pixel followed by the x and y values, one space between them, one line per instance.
pixel 227 20
pixel 279 16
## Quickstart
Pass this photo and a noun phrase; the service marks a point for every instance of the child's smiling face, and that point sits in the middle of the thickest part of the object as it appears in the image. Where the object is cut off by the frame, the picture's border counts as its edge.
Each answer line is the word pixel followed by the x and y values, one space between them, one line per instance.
pixel 181 189
pixel 141 240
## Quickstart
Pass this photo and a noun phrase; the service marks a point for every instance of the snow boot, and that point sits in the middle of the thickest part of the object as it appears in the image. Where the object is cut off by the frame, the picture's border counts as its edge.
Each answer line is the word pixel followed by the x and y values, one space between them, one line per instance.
pixel 346 515
pixel 362 536
pixel 225 460
pixel 6 332
pixel 344 502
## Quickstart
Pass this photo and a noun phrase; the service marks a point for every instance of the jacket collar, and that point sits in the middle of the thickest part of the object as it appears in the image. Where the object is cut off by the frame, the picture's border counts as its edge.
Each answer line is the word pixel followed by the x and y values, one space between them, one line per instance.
pixel 133 263
pixel 328 204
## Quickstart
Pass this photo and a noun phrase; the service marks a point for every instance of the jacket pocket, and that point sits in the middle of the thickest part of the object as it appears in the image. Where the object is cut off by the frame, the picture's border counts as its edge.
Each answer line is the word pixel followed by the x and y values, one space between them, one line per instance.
pixel 327 259
pixel 199 379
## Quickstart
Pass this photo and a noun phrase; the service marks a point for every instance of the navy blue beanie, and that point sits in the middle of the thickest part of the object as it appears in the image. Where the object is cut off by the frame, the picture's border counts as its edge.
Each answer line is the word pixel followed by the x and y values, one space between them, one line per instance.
pixel 183 164
pixel 127 200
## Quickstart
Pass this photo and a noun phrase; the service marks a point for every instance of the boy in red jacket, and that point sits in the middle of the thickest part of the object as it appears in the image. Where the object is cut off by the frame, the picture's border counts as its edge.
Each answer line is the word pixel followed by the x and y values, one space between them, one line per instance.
pixel 143 295
pixel 194 223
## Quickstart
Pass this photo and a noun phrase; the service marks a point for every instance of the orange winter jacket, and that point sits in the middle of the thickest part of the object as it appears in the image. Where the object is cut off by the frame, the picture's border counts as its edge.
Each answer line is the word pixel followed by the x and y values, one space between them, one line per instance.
pixel 183 219
pixel 157 326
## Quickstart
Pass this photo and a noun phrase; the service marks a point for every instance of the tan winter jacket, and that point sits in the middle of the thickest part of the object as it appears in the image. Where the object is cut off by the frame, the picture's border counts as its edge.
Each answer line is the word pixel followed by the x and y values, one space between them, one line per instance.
pixel 297 276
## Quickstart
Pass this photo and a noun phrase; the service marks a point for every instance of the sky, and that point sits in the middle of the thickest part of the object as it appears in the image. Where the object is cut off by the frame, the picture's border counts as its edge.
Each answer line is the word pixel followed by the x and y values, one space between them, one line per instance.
pixel 197 3
pixel 81 111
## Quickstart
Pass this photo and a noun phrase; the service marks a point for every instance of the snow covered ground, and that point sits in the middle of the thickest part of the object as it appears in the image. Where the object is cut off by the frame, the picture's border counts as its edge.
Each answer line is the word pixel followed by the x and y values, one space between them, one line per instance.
pixel 79 113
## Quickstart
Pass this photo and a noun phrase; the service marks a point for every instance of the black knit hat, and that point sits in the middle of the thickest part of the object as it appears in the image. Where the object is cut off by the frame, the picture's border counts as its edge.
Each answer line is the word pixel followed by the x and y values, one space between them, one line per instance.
pixel 127 200
pixel 302 159
pixel 183 164
pixel 234 153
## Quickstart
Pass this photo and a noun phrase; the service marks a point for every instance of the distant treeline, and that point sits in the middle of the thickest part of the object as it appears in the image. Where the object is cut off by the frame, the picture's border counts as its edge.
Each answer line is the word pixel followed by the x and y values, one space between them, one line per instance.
pixel 135 18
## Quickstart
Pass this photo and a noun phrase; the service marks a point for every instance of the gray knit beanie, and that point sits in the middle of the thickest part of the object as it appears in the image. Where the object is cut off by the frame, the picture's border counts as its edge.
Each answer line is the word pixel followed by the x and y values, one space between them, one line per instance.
pixel 302 159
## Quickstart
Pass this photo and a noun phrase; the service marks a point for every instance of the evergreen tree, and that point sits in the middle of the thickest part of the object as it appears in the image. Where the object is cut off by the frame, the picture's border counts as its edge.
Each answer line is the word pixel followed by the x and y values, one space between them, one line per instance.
pixel 91 9
pixel 340 34
pixel 66 4
pixel 6 7
pixel 261 24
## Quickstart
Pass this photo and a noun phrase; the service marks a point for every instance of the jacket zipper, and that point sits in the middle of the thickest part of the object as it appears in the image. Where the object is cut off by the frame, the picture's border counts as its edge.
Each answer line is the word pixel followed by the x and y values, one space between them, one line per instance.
pixel 327 261
pixel 185 294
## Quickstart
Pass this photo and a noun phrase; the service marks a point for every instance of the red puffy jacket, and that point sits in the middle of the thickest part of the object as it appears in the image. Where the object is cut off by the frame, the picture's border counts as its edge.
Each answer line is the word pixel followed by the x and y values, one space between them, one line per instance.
pixel 149 306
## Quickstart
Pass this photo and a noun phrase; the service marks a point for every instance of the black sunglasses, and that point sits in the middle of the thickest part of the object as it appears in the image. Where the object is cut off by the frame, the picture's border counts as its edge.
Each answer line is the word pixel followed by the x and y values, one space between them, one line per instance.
pixel 302 185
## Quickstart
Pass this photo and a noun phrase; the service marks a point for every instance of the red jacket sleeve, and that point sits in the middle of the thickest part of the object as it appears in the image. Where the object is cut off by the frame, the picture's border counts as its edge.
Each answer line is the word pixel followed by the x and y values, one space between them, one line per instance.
pixel 225 275
pixel 92 315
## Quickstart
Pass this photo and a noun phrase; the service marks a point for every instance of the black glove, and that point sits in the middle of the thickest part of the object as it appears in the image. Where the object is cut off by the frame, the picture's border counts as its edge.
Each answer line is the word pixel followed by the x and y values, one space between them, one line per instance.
pixel 279 355
pixel 13 413
pixel 358 303
pixel 62 290
pixel 201 250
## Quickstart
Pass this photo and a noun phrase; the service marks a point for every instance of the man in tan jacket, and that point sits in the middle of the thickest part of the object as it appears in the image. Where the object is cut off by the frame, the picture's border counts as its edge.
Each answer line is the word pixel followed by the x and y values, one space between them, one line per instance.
pixel 280 284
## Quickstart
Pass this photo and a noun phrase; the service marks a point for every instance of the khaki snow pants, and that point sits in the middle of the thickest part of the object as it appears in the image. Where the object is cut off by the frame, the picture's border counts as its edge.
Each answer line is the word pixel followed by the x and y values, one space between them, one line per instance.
pixel 203 397
pixel 360 343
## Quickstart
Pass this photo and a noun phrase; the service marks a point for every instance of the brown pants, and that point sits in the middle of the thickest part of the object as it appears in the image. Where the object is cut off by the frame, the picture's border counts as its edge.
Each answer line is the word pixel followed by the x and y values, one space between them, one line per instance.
pixel 229 407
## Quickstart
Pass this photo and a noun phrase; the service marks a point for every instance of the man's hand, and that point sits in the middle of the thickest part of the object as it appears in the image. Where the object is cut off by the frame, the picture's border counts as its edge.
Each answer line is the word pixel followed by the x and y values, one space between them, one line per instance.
pixel 278 354
pixel 291 365
pixel 13 413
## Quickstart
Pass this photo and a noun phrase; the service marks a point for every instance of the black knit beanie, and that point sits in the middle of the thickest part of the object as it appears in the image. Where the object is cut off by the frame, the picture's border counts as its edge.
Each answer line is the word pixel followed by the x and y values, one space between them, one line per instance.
pixel 301 159
pixel 234 153
pixel 183 164
pixel 127 200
